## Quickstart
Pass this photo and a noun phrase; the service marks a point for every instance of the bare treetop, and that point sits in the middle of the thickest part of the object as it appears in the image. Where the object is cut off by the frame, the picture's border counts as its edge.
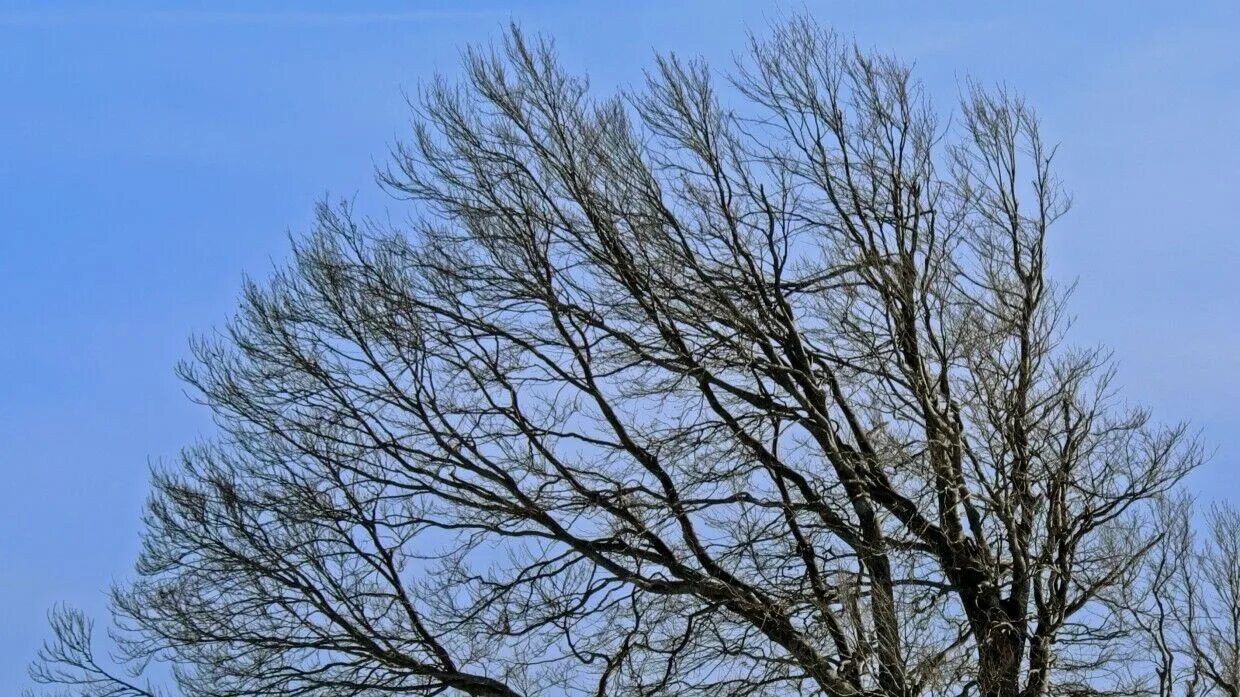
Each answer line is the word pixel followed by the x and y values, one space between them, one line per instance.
pixel 667 393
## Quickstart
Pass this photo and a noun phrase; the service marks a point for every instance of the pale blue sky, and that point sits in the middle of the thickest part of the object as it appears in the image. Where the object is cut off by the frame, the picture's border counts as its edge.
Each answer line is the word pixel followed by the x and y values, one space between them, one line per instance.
pixel 151 153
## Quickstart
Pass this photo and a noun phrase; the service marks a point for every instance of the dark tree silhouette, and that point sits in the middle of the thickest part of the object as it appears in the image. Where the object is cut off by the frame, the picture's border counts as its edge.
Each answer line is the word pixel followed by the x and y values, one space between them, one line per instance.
pixel 758 389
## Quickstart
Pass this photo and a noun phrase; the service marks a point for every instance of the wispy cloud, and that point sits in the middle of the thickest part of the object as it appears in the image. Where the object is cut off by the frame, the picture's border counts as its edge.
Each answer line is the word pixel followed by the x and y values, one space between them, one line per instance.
pixel 190 17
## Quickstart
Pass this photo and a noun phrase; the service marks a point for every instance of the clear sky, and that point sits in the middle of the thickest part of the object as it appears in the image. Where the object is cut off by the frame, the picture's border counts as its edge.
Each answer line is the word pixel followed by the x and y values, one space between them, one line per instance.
pixel 153 153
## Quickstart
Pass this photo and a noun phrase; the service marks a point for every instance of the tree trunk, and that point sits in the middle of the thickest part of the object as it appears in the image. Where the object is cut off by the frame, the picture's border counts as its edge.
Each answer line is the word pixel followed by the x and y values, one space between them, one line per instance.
pixel 1000 661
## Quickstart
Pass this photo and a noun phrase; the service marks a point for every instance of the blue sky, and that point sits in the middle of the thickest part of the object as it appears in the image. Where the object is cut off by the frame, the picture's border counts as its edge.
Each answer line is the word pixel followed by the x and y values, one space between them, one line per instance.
pixel 153 153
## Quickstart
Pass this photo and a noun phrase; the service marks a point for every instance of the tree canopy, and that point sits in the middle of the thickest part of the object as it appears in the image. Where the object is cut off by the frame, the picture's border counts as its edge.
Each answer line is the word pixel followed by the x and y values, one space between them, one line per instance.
pixel 743 383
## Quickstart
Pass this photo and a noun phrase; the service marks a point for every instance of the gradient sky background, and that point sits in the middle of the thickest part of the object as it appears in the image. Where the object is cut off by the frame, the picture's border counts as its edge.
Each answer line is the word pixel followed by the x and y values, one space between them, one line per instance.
pixel 153 153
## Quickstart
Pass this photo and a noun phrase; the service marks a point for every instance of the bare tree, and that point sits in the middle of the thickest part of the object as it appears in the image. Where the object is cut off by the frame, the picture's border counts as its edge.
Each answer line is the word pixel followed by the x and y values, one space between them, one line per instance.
pixel 1184 604
pixel 1211 603
pixel 746 390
